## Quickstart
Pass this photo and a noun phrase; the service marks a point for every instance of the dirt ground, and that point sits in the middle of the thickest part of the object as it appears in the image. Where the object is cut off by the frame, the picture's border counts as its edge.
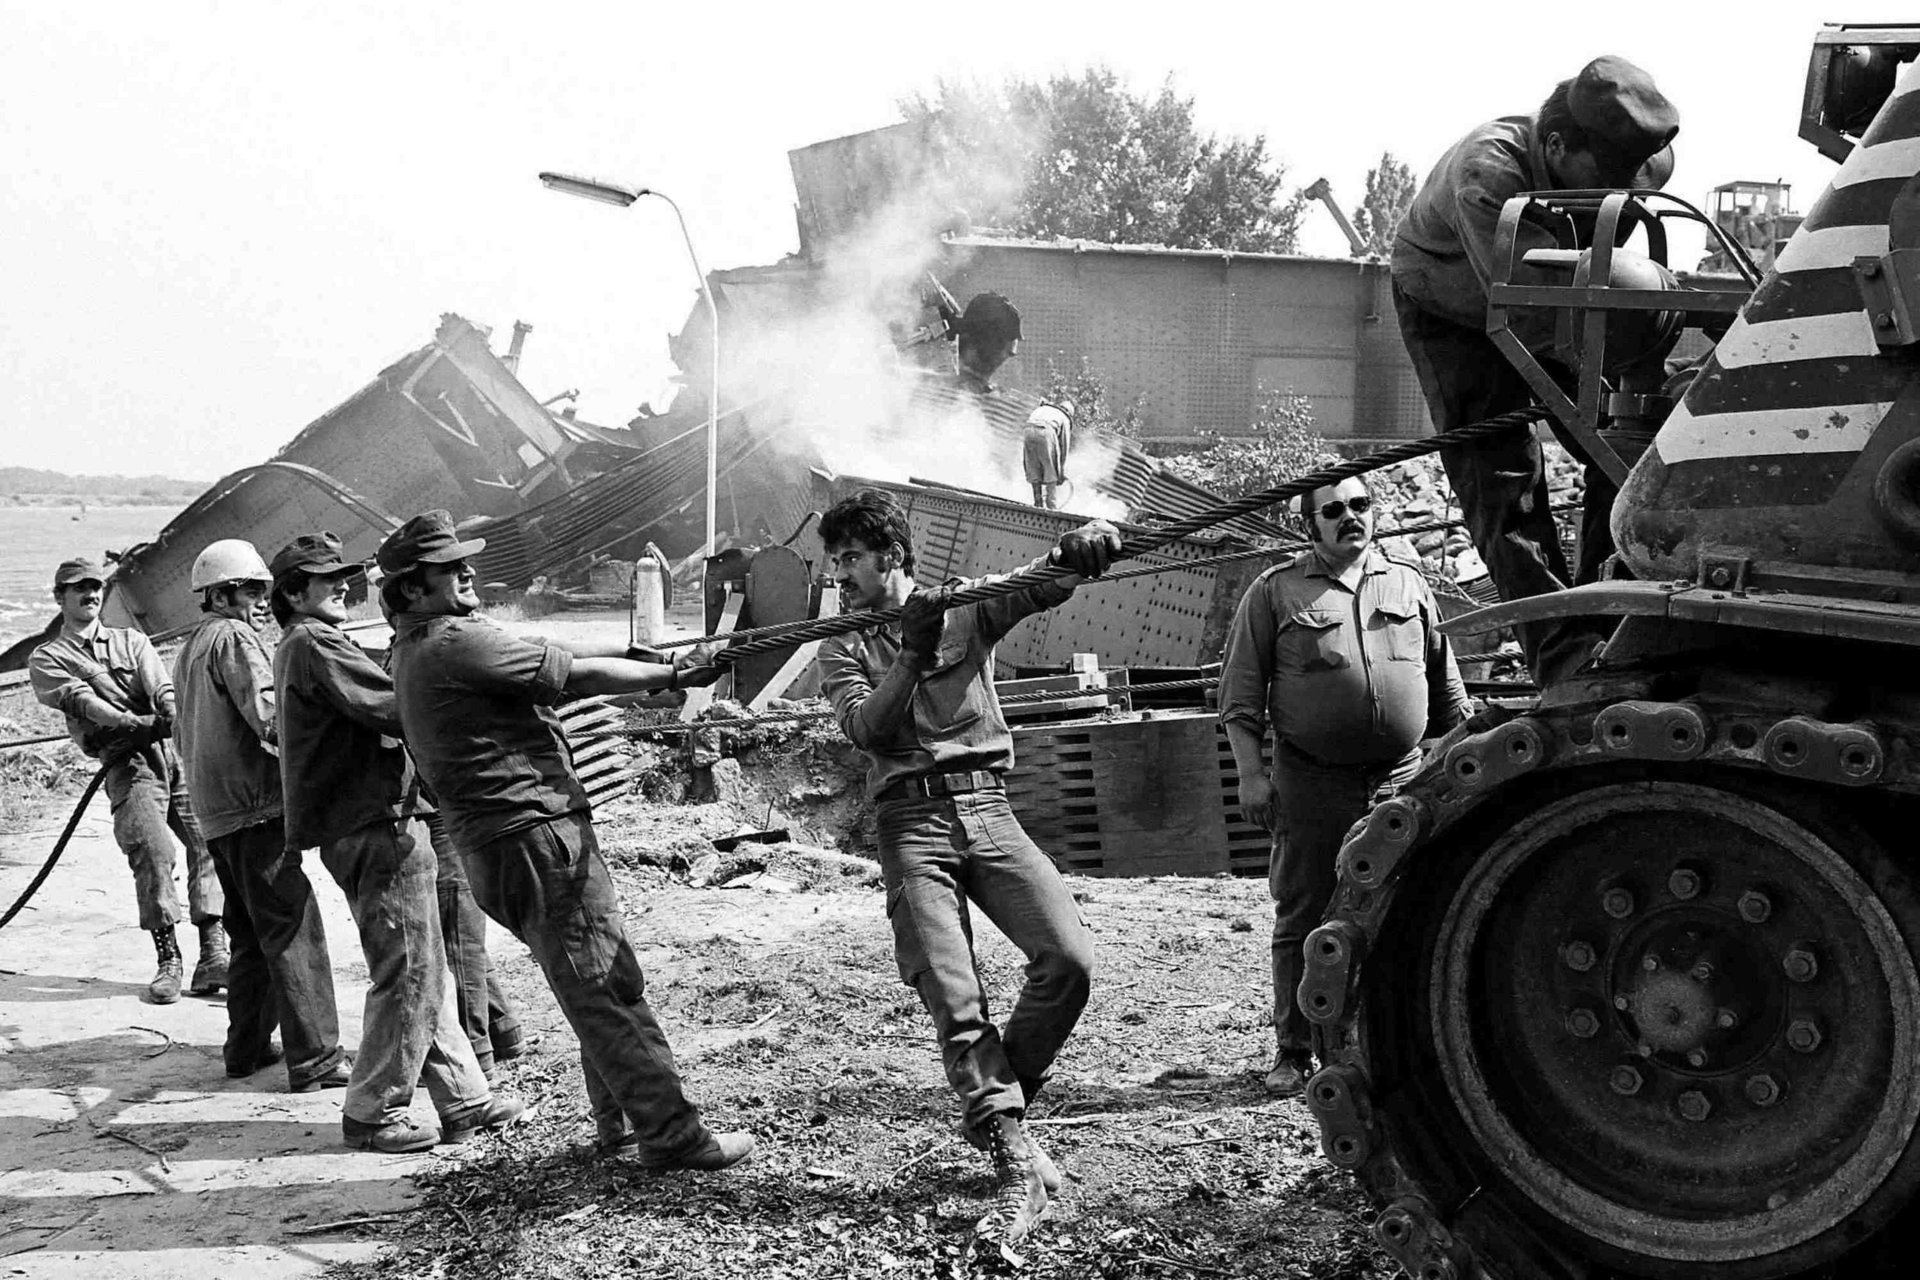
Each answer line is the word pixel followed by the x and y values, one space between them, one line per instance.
pixel 125 1151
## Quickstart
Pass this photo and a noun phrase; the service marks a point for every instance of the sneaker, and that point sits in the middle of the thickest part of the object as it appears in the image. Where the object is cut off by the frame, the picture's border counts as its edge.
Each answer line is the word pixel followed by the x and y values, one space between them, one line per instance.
pixel 1019 1198
pixel 718 1151
pixel 497 1112
pixel 1288 1078
pixel 272 1055
pixel 394 1138
pixel 337 1078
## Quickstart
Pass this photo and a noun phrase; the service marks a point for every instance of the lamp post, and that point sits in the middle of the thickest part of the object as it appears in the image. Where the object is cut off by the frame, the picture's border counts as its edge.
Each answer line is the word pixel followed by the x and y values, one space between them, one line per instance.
pixel 613 193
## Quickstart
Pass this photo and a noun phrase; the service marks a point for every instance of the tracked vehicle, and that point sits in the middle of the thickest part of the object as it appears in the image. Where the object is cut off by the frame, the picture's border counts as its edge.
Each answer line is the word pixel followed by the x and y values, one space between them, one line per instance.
pixel 1627 982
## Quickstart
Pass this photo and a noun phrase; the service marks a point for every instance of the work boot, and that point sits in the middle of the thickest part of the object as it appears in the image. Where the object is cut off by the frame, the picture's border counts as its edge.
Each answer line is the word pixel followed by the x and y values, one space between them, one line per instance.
pixel 1019 1197
pixel 1291 1067
pixel 338 1076
pixel 718 1151
pixel 210 974
pixel 395 1138
pixel 1043 1165
pixel 165 987
pixel 497 1112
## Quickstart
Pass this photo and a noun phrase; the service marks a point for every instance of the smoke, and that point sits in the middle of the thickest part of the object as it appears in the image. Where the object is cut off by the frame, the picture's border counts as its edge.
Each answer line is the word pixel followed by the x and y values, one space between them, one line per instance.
pixel 817 348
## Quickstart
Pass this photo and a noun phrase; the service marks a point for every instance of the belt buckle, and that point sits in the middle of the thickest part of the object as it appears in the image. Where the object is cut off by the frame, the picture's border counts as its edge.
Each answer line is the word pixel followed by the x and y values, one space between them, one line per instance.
pixel 958 783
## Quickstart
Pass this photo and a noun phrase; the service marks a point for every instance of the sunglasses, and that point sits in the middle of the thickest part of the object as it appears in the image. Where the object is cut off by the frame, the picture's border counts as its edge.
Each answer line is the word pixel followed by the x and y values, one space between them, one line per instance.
pixel 1334 510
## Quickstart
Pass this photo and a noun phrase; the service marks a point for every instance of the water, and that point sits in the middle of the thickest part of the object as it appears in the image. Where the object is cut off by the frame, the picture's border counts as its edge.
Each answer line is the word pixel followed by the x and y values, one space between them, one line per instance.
pixel 34 540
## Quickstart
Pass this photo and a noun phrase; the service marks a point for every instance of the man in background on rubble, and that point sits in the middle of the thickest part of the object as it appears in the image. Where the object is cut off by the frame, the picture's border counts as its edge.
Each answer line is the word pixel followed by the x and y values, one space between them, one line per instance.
pixel 986 337
pixel 1607 127
pixel 118 701
pixel 349 791
pixel 475 703
pixel 1339 649
pixel 917 696
pixel 280 971
pixel 1043 452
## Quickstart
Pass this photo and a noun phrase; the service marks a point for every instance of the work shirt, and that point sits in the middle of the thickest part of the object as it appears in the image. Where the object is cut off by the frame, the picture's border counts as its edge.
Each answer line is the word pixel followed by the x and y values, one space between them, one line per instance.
pixel 1443 249
pixel 1351 677
pixel 223 681
pixel 117 664
pixel 475 705
pixel 955 723
pixel 341 763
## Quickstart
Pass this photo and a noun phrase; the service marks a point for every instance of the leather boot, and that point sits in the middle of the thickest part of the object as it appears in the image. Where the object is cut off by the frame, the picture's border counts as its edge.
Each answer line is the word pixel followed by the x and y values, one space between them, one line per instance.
pixel 1042 1163
pixel 165 987
pixel 1019 1197
pixel 210 974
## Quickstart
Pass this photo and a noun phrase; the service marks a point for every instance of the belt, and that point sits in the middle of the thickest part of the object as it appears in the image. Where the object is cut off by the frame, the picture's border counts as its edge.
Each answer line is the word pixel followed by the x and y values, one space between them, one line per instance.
pixel 933 786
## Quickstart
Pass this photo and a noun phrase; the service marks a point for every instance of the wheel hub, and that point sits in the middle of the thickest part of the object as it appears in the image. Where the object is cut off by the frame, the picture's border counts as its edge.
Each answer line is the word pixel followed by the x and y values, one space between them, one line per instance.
pixel 1630 1010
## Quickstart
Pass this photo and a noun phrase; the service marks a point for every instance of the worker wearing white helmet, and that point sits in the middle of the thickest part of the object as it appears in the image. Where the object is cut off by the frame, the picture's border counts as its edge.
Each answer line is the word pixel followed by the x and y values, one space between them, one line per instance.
pixel 279 969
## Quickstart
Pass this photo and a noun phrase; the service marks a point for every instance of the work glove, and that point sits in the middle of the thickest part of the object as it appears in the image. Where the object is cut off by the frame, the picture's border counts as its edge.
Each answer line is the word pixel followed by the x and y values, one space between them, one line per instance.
pixel 923 621
pixel 1088 550
pixel 695 668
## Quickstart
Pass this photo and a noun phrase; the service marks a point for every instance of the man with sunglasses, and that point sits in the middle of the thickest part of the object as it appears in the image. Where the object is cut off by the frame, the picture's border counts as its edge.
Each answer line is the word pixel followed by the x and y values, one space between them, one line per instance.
pixel 1339 651
pixel 475 706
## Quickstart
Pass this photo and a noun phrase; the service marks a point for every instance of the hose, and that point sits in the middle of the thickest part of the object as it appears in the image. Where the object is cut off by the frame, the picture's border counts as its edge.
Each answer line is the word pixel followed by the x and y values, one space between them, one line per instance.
pixel 59 847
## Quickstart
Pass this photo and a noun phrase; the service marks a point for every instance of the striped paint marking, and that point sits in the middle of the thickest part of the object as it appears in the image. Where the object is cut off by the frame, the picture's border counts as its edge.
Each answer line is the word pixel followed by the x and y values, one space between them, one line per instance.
pixel 1843 428
pixel 1846 333
pixel 1898 159
pixel 1831 247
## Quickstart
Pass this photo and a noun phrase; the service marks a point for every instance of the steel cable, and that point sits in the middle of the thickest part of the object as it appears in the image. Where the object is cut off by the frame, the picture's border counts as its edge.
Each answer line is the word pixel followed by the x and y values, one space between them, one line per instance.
pixel 59 847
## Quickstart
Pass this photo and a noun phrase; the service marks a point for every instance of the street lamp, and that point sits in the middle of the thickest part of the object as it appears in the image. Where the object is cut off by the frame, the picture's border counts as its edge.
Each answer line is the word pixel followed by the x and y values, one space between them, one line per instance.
pixel 614 193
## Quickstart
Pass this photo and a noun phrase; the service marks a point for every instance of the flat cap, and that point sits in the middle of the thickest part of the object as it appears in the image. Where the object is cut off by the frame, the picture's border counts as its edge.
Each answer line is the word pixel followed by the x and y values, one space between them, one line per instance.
pixel 78 569
pixel 315 553
pixel 428 538
pixel 1628 120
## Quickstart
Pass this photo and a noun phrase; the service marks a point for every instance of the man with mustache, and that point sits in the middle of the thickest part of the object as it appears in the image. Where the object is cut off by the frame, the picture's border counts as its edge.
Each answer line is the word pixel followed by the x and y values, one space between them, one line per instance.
pixel 118 701
pixel 475 703
pixel 1339 650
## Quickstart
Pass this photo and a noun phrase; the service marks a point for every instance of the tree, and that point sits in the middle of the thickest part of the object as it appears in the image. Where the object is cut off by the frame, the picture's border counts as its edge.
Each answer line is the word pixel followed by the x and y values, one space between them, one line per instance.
pixel 1094 413
pixel 1390 189
pixel 1085 157
pixel 1283 445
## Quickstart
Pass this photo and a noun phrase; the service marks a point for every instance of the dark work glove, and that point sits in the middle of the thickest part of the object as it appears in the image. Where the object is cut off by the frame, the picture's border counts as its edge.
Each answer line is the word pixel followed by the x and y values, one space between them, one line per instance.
pixel 923 621
pixel 695 668
pixel 162 729
pixel 1088 550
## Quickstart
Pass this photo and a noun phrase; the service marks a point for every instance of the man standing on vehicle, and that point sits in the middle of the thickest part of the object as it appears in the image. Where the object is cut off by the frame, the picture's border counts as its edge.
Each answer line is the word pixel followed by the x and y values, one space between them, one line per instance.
pixel 349 791
pixel 475 704
pixel 917 696
pixel 118 701
pixel 1340 651
pixel 280 971
pixel 1607 127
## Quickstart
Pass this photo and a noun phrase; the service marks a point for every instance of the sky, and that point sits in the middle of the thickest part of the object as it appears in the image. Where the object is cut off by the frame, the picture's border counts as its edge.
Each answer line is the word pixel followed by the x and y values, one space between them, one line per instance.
pixel 218 220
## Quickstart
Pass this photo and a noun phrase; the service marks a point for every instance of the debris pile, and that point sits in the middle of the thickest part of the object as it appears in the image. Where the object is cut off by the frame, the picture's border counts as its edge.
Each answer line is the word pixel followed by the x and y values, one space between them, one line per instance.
pixel 1417 492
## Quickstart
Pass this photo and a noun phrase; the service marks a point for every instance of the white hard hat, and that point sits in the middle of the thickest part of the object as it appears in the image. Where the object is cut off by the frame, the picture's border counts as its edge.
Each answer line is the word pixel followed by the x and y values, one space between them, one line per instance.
pixel 229 560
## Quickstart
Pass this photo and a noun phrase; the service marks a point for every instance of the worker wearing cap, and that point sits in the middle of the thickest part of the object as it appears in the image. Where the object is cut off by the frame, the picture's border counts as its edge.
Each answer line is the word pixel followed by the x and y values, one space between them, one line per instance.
pixel 475 705
pixel 986 337
pixel 119 704
pixel 1339 651
pixel 348 790
pixel 1044 448
pixel 1609 126
pixel 280 972
pixel 918 698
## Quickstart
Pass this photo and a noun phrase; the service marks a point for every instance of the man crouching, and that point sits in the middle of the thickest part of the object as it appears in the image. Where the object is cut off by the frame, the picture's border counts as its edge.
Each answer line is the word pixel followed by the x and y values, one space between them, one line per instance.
pixel 349 790
pixel 917 696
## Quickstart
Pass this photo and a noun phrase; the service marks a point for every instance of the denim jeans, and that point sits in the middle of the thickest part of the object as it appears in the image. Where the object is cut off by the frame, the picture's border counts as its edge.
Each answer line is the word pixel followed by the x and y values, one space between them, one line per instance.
pixel 485 1011
pixel 1314 803
pixel 411 1031
pixel 548 885
pixel 1502 484
pixel 936 856
pixel 148 791
pixel 280 970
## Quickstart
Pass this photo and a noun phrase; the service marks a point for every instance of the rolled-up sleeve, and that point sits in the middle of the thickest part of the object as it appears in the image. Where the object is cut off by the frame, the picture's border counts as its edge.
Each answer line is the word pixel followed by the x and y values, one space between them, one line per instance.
pixel 55 684
pixel 1247 669
pixel 489 659
pixel 843 675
